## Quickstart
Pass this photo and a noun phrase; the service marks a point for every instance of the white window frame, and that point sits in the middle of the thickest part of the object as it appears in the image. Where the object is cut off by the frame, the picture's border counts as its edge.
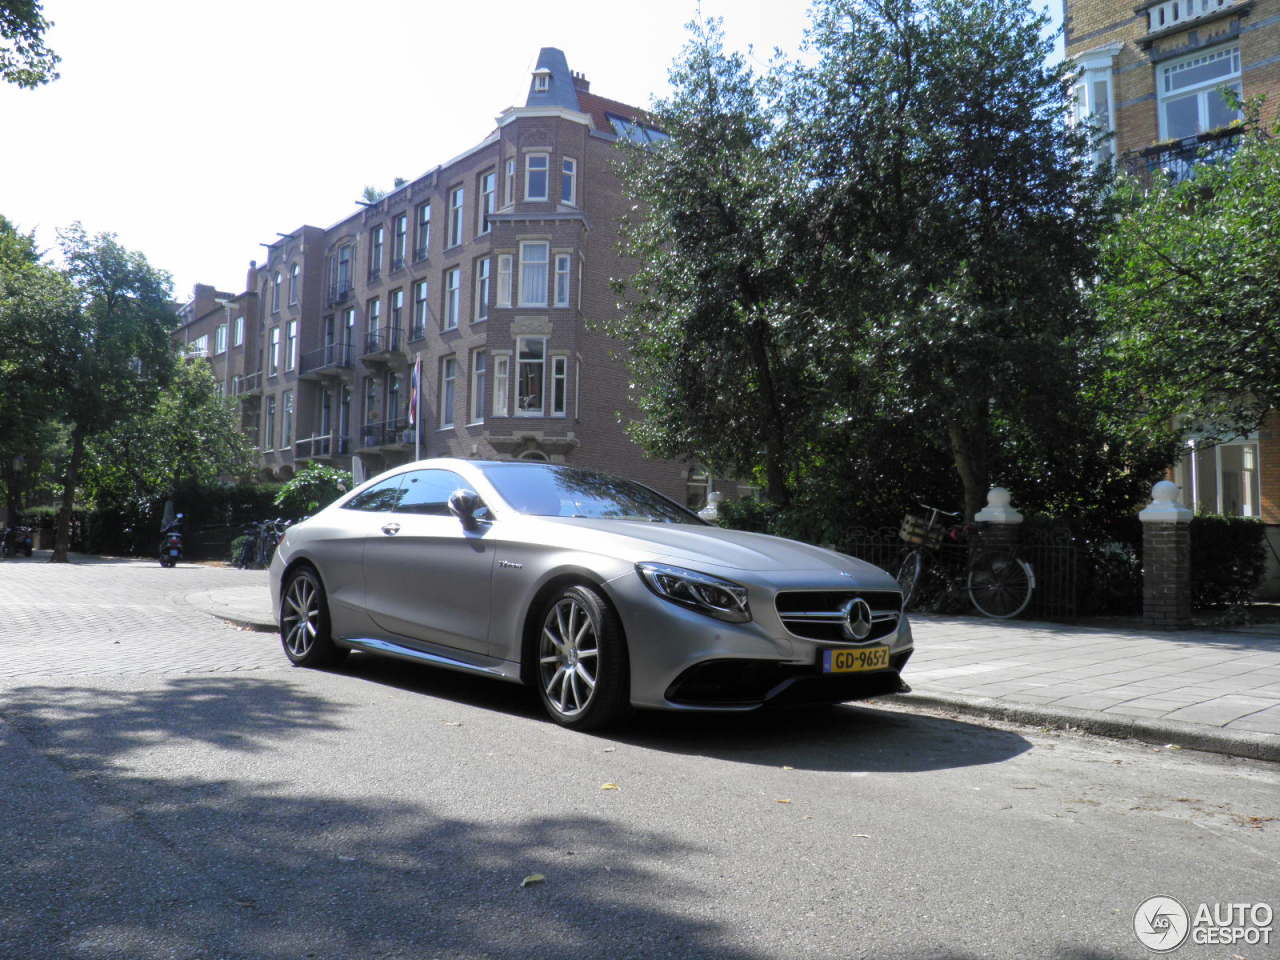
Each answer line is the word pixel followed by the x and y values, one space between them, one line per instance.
pixel 275 292
pixel 569 174
pixel 237 337
pixel 286 419
pixel 545 170
pixel 457 200
pixel 291 345
pixel 483 270
pixel 540 411
pixel 448 390
pixel 376 238
pixel 220 339
pixel 563 263
pixel 452 298
pixel 399 240
pixel 486 200
pixel 479 384
pixel 273 357
pixel 1188 469
pixel 1201 91
pixel 501 405
pixel 295 273
pixel 422 226
pixel 505 266
pixel 560 380
pixel 534 294
pixel 269 425
pixel 509 182
pixel 421 309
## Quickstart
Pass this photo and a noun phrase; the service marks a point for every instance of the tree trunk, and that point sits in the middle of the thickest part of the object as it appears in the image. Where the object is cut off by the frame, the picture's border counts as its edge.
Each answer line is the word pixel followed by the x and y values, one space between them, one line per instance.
pixel 62 535
pixel 971 465
pixel 775 440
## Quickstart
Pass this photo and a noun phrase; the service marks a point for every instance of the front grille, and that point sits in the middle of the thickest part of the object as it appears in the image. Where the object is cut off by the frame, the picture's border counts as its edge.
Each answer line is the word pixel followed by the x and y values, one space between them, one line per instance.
pixel 819 614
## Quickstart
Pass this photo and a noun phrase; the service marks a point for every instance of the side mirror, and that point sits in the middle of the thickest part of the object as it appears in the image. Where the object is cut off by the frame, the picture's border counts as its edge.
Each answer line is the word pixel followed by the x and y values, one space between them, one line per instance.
pixel 465 504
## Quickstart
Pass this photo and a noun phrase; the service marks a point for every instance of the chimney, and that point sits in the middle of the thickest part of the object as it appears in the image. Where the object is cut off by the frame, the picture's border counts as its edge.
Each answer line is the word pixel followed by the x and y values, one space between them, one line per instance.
pixel 581 83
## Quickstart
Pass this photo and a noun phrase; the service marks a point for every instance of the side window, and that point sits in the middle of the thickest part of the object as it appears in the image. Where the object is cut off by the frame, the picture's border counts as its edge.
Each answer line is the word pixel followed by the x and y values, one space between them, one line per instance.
pixel 428 491
pixel 380 498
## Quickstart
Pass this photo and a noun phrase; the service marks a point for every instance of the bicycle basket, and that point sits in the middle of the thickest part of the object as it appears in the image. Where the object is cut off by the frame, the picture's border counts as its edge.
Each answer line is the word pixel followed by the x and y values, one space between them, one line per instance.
pixel 917 530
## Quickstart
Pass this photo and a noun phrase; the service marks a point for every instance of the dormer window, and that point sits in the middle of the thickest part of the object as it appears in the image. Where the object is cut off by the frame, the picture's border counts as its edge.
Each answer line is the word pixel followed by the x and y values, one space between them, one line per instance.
pixel 541 80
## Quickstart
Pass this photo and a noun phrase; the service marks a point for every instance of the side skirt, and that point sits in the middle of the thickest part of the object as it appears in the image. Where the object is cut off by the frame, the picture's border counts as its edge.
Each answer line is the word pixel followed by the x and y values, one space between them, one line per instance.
pixel 498 669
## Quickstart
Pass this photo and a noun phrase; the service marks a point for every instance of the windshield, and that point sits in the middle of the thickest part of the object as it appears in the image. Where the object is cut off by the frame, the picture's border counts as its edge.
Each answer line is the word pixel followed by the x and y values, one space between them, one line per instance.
pixel 545 491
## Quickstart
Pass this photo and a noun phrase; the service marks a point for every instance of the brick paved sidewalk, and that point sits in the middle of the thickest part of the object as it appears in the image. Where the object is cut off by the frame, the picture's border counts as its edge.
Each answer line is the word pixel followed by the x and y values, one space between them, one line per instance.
pixel 1216 690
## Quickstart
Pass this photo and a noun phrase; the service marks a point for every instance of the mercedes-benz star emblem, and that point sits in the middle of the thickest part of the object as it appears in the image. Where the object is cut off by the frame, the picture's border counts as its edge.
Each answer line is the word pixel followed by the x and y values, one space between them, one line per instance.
pixel 857 619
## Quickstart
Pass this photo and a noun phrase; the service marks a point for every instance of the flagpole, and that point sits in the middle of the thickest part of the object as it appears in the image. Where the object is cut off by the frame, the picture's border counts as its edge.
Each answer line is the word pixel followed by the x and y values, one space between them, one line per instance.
pixel 417 412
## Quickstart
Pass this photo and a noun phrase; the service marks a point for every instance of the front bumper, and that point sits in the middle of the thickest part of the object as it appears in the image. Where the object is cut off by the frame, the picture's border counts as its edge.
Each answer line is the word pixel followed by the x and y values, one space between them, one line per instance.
pixel 684 660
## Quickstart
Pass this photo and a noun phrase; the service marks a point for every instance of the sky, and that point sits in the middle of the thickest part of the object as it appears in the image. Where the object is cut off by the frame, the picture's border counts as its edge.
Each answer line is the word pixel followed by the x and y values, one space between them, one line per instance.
pixel 197 131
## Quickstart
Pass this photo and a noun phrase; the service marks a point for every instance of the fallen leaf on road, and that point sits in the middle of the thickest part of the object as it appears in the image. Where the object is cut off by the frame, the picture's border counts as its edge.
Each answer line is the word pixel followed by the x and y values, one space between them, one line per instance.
pixel 788 768
pixel 533 878
pixel 782 801
pixel 453 723
pixel 862 836
pixel 609 786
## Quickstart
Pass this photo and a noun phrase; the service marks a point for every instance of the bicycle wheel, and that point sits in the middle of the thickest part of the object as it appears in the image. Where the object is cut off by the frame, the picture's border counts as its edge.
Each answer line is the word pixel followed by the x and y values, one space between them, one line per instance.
pixel 910 572
pixel 1000 585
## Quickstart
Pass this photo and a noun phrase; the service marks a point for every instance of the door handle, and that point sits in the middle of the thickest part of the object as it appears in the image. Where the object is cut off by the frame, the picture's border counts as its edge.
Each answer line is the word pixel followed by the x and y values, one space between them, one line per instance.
pixel 391 529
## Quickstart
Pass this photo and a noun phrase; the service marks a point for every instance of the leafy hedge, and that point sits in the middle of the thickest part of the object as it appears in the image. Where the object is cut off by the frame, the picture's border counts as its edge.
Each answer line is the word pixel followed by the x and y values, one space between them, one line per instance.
pixel 1228 560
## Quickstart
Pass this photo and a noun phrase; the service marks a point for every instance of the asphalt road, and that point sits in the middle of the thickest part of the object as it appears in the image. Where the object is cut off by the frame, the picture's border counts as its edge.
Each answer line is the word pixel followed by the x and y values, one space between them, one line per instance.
pixel 171 788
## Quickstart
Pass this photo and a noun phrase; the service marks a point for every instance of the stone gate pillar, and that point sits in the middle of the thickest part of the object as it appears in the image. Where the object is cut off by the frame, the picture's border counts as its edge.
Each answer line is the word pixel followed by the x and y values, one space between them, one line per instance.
pixel 1166 559
pixel 1004 522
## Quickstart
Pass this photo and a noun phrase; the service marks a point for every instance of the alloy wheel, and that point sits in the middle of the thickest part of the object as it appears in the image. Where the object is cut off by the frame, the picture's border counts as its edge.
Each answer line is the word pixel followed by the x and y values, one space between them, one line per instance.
pixel 300 616
pixel 569 657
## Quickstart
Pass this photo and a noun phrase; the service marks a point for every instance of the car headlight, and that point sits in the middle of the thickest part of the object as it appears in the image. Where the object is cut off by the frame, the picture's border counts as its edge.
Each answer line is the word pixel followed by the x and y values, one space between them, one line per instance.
pixel 722 599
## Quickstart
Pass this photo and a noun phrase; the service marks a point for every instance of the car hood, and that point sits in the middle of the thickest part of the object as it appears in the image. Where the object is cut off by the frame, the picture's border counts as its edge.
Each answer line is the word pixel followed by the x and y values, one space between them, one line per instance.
pixel 706 545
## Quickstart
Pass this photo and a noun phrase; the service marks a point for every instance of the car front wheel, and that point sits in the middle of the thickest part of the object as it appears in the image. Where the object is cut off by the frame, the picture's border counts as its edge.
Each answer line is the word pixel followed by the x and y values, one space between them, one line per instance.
pixel 582 660
pixel 304 622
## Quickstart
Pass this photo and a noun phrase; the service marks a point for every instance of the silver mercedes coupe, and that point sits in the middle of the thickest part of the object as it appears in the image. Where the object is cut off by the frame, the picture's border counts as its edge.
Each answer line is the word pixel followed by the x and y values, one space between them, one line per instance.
pixel 599 592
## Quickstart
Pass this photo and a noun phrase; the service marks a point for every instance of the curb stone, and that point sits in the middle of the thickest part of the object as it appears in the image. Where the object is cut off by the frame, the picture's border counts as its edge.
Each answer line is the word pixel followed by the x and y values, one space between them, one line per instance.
pixel 1193 736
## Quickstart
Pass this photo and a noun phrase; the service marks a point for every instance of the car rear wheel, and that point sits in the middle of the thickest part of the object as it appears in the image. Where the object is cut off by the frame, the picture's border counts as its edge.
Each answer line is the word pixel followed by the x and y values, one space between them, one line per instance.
pixel 304 622
pixel 582 660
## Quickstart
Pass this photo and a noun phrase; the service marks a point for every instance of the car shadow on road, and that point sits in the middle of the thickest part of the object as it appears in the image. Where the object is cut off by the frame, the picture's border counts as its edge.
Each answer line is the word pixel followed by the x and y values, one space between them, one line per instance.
pixel 843 738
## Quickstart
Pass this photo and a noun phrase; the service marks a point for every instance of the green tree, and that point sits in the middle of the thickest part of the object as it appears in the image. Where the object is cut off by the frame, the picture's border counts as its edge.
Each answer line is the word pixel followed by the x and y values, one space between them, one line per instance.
pixel 1190 292
pixel 36 302
pixel 189 438
pixel 113 355
pixel 723 361
pixel 953 211
pixel 24 59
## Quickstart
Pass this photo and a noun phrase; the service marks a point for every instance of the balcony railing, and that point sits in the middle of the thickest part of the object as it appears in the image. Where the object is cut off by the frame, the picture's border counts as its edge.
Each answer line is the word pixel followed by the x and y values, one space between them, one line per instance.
pixel 332 357
pixel 387 433
pixel 246 384
pixel 385 340
pixel 321 446
pixel 1178 160
pixel 338 295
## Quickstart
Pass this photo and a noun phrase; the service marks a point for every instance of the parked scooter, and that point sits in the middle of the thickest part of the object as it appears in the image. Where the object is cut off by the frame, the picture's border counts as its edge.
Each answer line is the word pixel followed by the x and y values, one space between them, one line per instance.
pixel 171 542
pixel 16 540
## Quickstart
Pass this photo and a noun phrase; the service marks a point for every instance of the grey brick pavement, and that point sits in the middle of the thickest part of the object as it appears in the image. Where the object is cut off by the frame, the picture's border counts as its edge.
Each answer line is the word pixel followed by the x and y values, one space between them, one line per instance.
pixel 112 617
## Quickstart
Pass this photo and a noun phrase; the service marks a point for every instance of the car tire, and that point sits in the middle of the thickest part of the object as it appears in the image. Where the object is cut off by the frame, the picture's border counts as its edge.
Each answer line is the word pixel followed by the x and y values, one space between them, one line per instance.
pixel 582 671
pixel 304 622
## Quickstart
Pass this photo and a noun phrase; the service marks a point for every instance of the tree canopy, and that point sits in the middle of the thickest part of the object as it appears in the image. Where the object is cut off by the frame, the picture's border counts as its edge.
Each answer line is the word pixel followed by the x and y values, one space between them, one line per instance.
pixel 885 243
pixel 25 61
pixel 1190 291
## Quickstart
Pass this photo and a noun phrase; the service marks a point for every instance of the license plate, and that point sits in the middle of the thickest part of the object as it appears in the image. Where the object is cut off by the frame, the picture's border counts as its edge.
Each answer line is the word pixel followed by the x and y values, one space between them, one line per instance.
pixel 855 661
pixel 174 553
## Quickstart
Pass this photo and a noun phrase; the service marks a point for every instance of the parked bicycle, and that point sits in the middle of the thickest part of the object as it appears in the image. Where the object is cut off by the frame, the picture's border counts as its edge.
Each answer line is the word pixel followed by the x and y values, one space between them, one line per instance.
pixel 996 580
pixel 259 543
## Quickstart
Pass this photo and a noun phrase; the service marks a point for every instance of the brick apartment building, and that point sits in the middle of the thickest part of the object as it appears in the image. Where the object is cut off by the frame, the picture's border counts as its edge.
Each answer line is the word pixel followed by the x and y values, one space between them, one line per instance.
pixel 490 269
pixel 1152 74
